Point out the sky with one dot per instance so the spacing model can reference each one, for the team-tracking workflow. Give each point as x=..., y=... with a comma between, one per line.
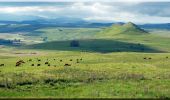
x=92, y=11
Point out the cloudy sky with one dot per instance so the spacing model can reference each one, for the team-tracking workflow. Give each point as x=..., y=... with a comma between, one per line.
x=96, y=11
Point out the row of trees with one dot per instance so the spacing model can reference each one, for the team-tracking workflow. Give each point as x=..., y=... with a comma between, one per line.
x=9, y=42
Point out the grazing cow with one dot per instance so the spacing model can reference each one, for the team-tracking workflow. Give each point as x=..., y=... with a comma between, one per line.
x=19, y=62
x=2, y=65
x=149, y=58
x=32, y=64
x=30, y=60
x=81, y=59
x=67, y=65
x=54, y=59
x=61, y=60
x=39, y=59
x=38, y=64
x=46, y=63
x=71, y=60
x=144, y=58
x=166, y=56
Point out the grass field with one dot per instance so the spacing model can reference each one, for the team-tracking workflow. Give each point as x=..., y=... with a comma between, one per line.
x=97, y=75
x=110, y=66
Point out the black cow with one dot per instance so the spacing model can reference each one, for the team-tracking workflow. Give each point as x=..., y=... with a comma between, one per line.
x=46, y=63
x=38, y=64
x=67, y=65
x=149, y=58
x=77, y=60
x=2, y=65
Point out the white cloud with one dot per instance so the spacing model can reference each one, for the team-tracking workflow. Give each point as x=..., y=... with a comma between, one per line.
x=84, y=0
x=96, y=11
x=28, y=9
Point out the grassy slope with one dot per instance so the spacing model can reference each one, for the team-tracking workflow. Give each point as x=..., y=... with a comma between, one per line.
x=121, y=34
x=126, y=29
x=95, y=45
x=68, y=33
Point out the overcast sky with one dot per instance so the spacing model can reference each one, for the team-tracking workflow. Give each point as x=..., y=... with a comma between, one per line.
x=96, y=11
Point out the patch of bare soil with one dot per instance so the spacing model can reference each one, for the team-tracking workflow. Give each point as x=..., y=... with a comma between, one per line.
x=22, y=54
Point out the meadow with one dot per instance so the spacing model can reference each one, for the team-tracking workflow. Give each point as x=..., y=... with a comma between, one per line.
x=103, y=66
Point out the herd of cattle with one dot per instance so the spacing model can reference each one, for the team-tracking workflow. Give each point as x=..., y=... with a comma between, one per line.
x=151, y=58
x=20, y=62
x=47, y=62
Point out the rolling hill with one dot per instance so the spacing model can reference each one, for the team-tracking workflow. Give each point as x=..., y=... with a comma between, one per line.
x=128, y=28
x=122, y=38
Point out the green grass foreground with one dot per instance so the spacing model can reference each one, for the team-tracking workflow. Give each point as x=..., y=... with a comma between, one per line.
x=97, y=75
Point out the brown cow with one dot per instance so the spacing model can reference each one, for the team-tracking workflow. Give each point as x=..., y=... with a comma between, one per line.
x=19, y=62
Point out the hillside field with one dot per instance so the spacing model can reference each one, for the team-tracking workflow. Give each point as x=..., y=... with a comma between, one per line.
x=105, y=65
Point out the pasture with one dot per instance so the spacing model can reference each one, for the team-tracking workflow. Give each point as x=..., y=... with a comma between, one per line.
x=127, y=75
x=111, y=66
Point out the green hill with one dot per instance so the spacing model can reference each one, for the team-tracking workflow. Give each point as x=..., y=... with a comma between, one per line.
x=128, y=28
x=125, y=38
